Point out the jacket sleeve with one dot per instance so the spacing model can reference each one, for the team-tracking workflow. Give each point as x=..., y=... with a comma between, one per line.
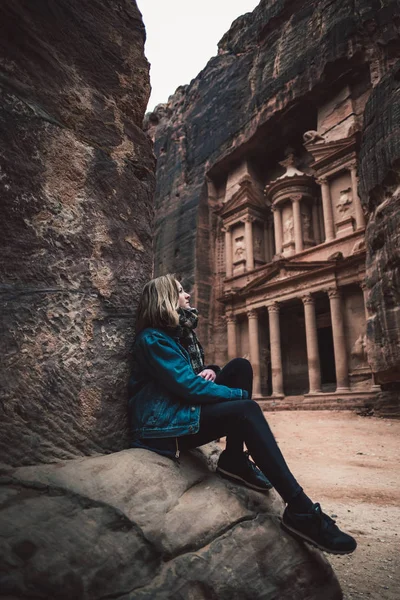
x=170, y=368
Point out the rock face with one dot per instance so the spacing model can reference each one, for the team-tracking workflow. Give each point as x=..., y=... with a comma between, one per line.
x=76, y=178
x=136, y=526
x=286, y=70
x=380, y=190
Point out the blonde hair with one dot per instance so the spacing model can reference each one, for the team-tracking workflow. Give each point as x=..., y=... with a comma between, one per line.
x=158, y=304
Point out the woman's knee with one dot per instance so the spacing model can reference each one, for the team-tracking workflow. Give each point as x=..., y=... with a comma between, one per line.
x=250, y=408
x=241, y=365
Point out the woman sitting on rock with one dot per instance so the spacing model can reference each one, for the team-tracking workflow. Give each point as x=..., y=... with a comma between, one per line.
x=178, y=403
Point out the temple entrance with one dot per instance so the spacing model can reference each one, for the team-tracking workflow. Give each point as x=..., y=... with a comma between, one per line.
x=327, y=359
x=294, y=349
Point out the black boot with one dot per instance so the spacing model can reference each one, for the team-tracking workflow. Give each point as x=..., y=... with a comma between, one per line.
x=319, y=530
x=240, y=468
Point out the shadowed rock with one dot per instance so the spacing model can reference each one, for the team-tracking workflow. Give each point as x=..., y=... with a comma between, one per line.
x=76, y=181
x=380, y=191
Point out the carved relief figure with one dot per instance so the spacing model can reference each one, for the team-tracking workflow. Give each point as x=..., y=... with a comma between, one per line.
x=312, y=136
x=306, y=225
x=359, y=350
x=257, y=246
x=240, y=249
x=345, y=199
x=288, y=230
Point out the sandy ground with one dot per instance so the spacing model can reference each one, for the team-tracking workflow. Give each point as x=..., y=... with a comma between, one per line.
x=350, y=464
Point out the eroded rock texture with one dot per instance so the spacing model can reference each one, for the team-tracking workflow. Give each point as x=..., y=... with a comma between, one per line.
x=380, y=189
x=275, y=68
x=76, y=180
x=136, y=526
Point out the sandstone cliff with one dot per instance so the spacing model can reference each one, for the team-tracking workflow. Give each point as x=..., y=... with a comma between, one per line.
x=274, y=66
x=380, y=189
x=76, y=179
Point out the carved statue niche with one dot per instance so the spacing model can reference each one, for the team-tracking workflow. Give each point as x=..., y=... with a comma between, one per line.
x=257, y=246
x=240, y=249
x=306, y=222
x=345, y=200
x=359, y=351
x=288, y=230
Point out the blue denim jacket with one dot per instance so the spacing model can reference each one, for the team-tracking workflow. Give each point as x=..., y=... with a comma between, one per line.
x=166, y=394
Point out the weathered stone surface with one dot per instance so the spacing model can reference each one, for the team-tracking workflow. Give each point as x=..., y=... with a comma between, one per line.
x=76, y=177
x=380, y=191
x=135, y=525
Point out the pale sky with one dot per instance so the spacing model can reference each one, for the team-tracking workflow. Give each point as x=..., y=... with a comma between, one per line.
x=182, y=35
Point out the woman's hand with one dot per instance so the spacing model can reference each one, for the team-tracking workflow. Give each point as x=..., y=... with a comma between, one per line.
x=208, y=374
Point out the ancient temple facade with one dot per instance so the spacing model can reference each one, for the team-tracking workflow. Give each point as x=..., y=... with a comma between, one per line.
x=290, y=265
x=261, y=164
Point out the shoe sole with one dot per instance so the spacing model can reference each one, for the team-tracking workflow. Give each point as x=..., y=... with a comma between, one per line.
x=233, y=477
x=303, y=538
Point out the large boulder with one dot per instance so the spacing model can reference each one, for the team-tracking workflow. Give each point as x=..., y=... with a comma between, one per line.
x=137, y=526
x=76, y=181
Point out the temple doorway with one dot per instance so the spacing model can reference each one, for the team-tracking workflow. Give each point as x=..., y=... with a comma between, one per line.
x=294, y=349
x=327, y=359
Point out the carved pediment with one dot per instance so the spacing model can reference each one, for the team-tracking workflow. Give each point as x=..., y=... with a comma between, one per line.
x=247, y=196
x=284, y=270
x=326, y=152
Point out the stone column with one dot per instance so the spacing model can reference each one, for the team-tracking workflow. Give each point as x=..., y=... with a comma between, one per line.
x=298, y=230
x=327, y=209
x=363, y=286
x=339, y=341
x=228, y=252
x=314, y=367
x=315, y=223
x=248, y=236
x=232, y=340
x=276, y=354
x=254, y=348
x=360, y=218
x=271, y=238
x=277, y=229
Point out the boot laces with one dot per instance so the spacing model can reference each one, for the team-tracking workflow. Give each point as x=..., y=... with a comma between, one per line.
x=325, y=522
x=251, y=464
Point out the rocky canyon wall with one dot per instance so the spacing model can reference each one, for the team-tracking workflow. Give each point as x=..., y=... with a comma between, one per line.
x=76, y=181
x=380, y=190
x=275, y=68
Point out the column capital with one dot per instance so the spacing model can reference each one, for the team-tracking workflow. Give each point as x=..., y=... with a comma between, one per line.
x=226, y=228
x=334, y=292
x=249, y=219
x=230, y=317
x=308, y=299
x=275, y=207
x=353, y=165
x=321, y=180
x=252, y=313
x=296, y=197
x=274, y=307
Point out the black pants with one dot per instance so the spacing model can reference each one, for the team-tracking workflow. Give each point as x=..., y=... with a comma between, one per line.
x=242, y=421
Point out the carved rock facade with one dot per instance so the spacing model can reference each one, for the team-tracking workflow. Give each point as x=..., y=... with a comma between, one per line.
x=76, y=180
x=258, y=204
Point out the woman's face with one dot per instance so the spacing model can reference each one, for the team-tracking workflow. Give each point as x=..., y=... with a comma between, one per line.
x=184, y=298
